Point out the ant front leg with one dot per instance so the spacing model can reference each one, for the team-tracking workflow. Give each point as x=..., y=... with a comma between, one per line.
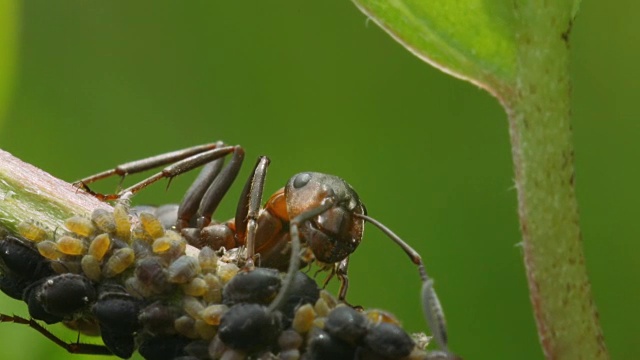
x=73, y=348
x=248, y=209
x=341, y=272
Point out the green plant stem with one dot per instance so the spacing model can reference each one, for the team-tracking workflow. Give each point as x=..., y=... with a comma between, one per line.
x=28, y=193
x=539, y=117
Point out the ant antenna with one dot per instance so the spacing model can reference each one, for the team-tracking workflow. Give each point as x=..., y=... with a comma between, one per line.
x=430, y=304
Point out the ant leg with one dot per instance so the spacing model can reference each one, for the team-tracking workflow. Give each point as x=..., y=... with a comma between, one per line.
x=430, y=302
x=340, y=270
x=221, y=184
x=73, y=348
x=191, y=201
x=170, y=171
x=294, y=261
x=137, y=166
x=248, y=209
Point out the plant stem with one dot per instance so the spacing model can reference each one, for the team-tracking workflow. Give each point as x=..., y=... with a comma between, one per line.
x=28, y=193
x=540, y=129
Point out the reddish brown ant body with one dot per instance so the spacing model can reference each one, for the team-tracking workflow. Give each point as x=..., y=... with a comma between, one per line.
x=321, y=212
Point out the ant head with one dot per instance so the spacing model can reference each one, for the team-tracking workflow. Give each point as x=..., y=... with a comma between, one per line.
x=333, y=233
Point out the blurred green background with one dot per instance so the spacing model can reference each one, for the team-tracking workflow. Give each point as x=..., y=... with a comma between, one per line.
x=87, y=85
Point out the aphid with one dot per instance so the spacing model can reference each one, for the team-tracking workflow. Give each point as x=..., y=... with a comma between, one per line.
x=321, y=345
x=66, y=294
x=257, y=286
x=71, y=246
x=31, y=296
x=213, y=313
x=104, y=220
x=49, y=249
x=20, y=267
x=196, y=287
x=303, y=318
x=250, y=327
x=151, y=273
x=183, y=270
x=346, y=324
x=208, y=259
x=322, y=212
x=290, y=342
x=80, y=226
x=388, y=340
x=158, y=318
x=99, y=246
x=117, y=314
x=32, y=231
x=91, y=267
x=164, y=347
x=119, y=261
x=22, y=260
x=151, y=225
x=121, y=218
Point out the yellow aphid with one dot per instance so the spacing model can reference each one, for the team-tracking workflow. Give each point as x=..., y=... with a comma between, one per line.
x=99, y=246
x=192, y=306
x=138, y=233
x=183, y=269
x=177, y=246
x=321, y=308
x=205, y=331
x=212, y=314
x=104, y=220
x=319, y=322
x=185, y=325
x=123, y=225
x=48, y=249
x=118, y=262
x=91, y=267
x=214, y=289
x=377, y=316
x=331, y=301
x=151, y=225
x=226, y=271
x=303, y=319
x=80, y=226
x=196, y=287
x=71, y=246
x=32, y=231
x=162, y=244
x=208, y=259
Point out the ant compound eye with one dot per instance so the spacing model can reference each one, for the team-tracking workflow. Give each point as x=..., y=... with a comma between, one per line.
x=301, y=180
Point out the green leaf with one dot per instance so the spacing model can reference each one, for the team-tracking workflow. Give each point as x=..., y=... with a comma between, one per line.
x=8, y=44
x=472, y=39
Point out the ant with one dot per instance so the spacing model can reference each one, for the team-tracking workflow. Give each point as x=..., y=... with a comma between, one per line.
x=321, y=211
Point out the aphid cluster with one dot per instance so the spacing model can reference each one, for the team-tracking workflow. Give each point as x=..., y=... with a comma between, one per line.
x=133, y=282
x=172, y=282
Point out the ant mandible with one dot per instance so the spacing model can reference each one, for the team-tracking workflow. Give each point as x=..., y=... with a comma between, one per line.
x=321, y=211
